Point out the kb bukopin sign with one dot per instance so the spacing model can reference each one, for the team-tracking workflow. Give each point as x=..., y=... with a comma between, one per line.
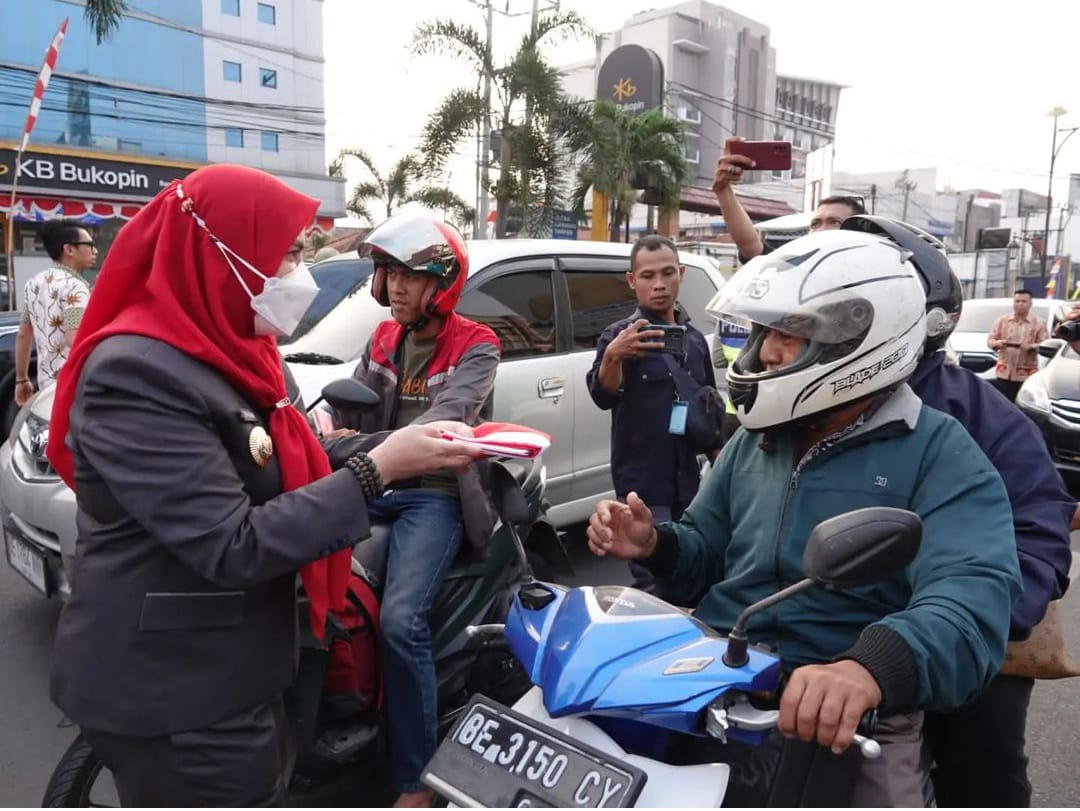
x=633, y=78
x=68, y=173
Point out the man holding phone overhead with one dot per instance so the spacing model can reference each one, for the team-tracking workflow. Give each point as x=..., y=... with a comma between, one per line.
x=741, y=155
x=634, y=376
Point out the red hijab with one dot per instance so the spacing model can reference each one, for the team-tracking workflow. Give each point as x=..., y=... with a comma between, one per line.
x=165, y=279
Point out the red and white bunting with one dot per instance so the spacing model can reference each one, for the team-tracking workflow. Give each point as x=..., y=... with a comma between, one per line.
x=47, y=67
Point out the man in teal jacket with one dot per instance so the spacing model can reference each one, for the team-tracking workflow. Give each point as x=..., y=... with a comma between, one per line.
x=837, y=322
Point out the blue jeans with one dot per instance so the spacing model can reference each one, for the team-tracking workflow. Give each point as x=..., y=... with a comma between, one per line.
x=425, y=536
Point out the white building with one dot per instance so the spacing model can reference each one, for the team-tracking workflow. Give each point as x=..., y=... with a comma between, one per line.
x=263, y=68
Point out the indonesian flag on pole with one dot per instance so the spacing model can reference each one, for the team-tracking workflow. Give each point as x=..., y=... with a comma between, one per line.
x=47, y=67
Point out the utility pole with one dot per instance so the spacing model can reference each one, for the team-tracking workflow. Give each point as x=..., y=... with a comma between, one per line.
x=525, y=190
x=907, y=186
x=873, y=198
x=480, y=226
x=1056, y=113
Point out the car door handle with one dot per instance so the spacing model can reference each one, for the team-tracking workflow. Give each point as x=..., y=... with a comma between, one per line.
x=550, y=388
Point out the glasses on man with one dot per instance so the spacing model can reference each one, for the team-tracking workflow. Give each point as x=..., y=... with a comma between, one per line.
x=87, y=242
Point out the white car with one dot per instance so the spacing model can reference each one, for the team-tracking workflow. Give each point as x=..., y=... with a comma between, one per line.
x=968, y=341
x=547, y=300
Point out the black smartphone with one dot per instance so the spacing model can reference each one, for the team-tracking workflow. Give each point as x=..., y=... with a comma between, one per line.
x=674, y=338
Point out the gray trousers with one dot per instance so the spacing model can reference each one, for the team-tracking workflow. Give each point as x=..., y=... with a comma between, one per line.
x=894, y=780
x=236, y=762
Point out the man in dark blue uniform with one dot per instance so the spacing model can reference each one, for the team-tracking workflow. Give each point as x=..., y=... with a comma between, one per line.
x=650, y=454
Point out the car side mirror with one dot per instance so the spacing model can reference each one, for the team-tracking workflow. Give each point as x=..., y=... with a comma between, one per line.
x=1050, y=347
x=349, y=394
x=861, y=546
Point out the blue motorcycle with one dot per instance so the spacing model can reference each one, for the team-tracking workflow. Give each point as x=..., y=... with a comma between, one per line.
x=618, y=673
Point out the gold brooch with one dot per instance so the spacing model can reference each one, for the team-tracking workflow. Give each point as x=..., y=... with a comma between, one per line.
x=260, y=445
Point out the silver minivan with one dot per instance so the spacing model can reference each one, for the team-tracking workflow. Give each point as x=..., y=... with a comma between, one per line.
x=547, y=300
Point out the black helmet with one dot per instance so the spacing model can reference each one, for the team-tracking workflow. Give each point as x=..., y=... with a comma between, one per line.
x=944, y=295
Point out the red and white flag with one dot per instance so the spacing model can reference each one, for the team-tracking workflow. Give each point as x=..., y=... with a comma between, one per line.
x=47, y=67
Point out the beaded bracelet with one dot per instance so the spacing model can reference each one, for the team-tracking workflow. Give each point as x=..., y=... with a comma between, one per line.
x=363, y=468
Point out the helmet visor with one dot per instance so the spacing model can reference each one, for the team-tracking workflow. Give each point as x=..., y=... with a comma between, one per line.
x=755, y=295
x=417, y=243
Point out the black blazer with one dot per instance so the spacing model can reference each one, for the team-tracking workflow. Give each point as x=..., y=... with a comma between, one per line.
x=183, y=610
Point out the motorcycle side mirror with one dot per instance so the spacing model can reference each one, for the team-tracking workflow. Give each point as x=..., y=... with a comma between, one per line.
x=851, y=549
x=349, y=394
x=861, y=546
x=1050, y=347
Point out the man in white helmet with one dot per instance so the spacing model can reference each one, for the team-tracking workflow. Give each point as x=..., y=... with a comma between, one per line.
x=837, y=322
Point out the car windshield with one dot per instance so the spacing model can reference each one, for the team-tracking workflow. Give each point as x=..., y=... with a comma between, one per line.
x=337, y=280
x=979, y=316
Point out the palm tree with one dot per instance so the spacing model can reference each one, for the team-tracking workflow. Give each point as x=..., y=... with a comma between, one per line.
x=398, y=187
x=104, y=16
x=622, y=153
x=527, y=103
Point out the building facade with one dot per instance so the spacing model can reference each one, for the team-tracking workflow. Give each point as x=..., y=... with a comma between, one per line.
x=719, y=75
x=805, y=117
x=181, y=83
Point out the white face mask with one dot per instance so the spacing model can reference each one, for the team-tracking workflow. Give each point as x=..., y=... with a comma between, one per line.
x=283, y=300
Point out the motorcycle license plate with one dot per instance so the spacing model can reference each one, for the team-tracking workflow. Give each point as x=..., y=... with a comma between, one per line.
x=498, y=758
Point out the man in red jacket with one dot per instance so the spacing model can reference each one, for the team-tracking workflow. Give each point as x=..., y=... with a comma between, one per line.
x=426, y=363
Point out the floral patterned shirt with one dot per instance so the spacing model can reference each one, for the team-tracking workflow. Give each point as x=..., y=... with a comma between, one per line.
x=53, y=304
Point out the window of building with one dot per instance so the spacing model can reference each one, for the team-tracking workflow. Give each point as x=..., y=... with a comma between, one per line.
x=269, y=142
x=267, y=77
x=231, y=71
x=597, y=299
x=230, y=7
x=520, y=308
x=267, y=14
x=124, y=145
x=234, y=136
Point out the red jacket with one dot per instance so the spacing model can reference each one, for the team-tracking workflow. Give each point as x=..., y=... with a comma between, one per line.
x=461, y=378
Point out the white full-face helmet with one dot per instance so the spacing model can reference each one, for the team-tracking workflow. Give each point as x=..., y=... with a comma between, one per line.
x=856, y=300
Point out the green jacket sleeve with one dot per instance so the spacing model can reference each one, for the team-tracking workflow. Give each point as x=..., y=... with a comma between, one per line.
x=965, y=577
x=702, y=534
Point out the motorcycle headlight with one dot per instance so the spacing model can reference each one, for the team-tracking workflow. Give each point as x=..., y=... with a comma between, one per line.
x=1033, y=395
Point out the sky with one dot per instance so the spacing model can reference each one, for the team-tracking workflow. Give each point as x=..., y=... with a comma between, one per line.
x=958, y=85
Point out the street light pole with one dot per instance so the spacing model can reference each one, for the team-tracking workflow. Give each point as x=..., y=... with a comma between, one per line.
x=1054, y=149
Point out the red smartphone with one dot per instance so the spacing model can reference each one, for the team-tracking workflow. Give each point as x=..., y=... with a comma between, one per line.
x=767, y=155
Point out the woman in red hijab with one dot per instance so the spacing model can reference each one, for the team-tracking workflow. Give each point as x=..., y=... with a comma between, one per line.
x=201, y=491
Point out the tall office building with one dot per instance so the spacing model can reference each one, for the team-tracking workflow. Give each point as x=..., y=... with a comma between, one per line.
x=180, y=84
x=719, y=75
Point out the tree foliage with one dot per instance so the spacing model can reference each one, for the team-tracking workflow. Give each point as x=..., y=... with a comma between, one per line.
x=621, y=153
x=404, y=183
x=104, y=16
x=525, y=113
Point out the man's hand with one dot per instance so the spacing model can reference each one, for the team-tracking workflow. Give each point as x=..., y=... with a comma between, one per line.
x=730, y=167
x=622, y=530
x=825, y=703
x=23, y=392
x=633, y=342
